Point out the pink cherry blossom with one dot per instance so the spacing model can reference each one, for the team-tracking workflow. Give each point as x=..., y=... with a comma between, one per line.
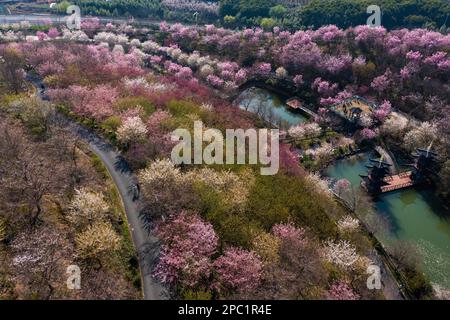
x=298, y=80
x=368, y=134
x=381, y=83
x=238, y=270
x=215, y=81
x=53, y=33
x=342, y=291
x=188, y=244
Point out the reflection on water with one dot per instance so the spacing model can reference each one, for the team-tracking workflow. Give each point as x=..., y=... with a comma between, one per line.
x=415, y=215
x=350, y=168
x=407, y=197
x=269, y=107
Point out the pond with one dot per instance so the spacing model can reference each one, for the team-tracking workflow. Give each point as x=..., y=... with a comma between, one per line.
x=415, y=216
x=270, y=107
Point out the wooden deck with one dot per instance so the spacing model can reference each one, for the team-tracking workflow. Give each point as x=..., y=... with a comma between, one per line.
x=397, y=182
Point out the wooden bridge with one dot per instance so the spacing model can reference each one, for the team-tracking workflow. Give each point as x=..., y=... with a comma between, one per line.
x=387, y=157
x=378, y=180
x=296, y=104
x=397, y=182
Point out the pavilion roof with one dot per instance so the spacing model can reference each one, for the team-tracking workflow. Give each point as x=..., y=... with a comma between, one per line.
x=351, y=106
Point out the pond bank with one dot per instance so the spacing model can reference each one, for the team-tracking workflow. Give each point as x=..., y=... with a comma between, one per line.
x=415, y=215
x=269, y=107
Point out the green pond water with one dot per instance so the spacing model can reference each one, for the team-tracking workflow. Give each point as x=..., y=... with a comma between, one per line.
x=269, y=107
x=414, y=215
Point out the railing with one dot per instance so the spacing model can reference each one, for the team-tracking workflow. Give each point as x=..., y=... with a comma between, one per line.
x=405, y=174
x=396, y=187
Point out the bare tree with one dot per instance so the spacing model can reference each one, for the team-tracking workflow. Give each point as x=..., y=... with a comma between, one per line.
x=103, y=284
x=38, y=260
x=297, y=274
x=11, y=69
x=29, y=172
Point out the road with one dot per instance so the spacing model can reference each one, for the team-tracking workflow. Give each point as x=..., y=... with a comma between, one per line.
x=41, y=19
x=147, y=246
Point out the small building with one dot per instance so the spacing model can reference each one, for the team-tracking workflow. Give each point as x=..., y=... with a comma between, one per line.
x=352, y=109
x=294, y=103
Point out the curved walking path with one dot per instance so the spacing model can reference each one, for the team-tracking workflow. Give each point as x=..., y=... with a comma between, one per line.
x=147, y=246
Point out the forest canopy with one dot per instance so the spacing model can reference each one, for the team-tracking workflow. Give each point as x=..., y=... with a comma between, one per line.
x=268, y=13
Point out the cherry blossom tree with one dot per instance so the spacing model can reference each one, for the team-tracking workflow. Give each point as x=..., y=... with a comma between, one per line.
x=348, y=224
x=184, y=73
x=97, y=241
x=87, y=207
x=90, y=24
x=421, y=136
x=53, y=33
x=328, y=33
x=289, y=161
x=132, y=130
x=341, y=186
x=368, y=134
x=383, y=111
x=370, y=35
x=381, y=83
x=298, y=80
x=318, y=184
x=96, y=103
x=394, y=125
x=341, y=253
x=289, y=233
x=323, y=87
x=300, y=52
x=281, y=72
x=41, y=35
x=215, y=81
x=436, y=58
x=241, y=76
x=238, y=270
x=295, y=271
x=38, y=260
x=304, y=131
x=188, y=245
x=335, y=65
x=163, y=189
x=159, y=172
x=342, y=291
x=263, y=69
x=206, y=71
